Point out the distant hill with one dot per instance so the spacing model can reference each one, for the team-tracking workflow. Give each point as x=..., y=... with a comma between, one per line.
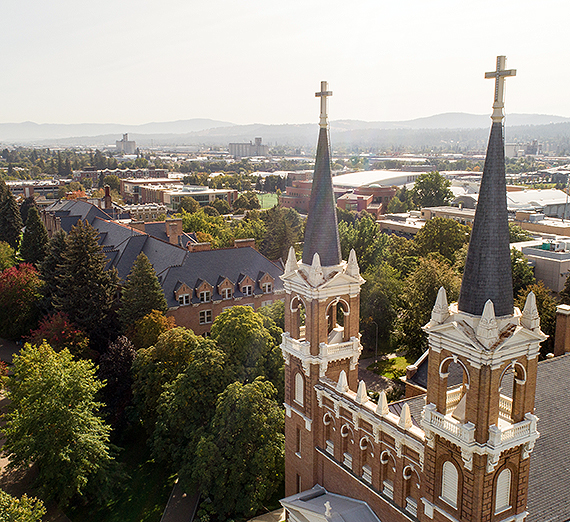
x=30, y=131
x=468, y=131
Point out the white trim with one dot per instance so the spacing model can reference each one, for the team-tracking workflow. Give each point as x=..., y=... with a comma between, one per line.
x=289, y=409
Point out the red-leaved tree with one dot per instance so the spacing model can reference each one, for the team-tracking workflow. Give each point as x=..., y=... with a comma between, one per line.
x=60, y=333
x=19, y=298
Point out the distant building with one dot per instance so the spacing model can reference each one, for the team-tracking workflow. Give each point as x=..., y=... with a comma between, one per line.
x=125, y=146
x=247, y=150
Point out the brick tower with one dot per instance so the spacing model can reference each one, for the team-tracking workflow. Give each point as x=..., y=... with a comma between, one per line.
x=321, y=336
x=479, y=435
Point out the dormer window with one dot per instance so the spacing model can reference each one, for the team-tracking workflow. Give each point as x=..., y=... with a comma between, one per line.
x=247, y=290
x=184, y=299
x=267, y=288
x=227, y=293
x=205, y=296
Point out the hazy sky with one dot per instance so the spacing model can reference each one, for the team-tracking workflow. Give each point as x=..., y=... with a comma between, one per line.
x=261, y=61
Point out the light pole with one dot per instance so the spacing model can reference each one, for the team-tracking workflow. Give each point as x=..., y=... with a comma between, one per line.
x=376, y=351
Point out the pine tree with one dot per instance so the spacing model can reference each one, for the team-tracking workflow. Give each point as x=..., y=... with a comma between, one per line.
x=10, y=220
x=25, y=207
x=50, y=269
x=142, y=293
x=85, y=290
x=35, y=239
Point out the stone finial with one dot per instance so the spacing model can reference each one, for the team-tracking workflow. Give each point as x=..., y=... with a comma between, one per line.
x=342, y=385
x=487, y=330
x=316, y=276
x=530, y=318
x=405, y=417
x=352, y=268
x=382, y=408
x=328, y=509
x=291, y=264
x=361, y=395
x=440, y=310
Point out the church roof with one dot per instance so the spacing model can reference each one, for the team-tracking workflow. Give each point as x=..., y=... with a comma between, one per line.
x=321, y=233
x=487, y=273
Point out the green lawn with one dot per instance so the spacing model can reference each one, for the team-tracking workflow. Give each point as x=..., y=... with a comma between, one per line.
x=392, y=368
x=267, y=200
x=146, y=493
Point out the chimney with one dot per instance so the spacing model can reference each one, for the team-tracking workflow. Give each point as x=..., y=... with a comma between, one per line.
x=243, y=243
x=138, y=225
x=199, y=247
x=562, y=334
x=107, y=201
x=173, y=229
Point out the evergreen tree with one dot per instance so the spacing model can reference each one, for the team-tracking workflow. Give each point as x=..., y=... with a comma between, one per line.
x=50, y=269
x=142, y=293
x=10, y=220
x=35, y=240
x=25, y=207
x=85, y=290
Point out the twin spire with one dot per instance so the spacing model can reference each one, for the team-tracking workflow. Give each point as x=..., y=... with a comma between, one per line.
x=487, y=273
x=321, y=233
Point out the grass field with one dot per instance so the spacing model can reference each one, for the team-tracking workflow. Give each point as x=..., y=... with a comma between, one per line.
x=146, y=491
x=393, y=368
x=267, y=200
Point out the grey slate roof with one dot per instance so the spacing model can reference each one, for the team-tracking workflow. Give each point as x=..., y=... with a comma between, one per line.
x=173, y=264
x=210, y=265
x=548, y=498
x=321, y=233
x=487, y=273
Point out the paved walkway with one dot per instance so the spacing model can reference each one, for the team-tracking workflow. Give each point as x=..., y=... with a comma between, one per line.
x=274, y=516
x=181, y=507
x=7, y=349
x=373, y=381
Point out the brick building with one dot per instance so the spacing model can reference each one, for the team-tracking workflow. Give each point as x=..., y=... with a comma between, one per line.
x=460, y=451
x=198, y=282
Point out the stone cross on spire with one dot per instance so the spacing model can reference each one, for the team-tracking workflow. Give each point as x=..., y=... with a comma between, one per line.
x=323, y=96
x=500, y=74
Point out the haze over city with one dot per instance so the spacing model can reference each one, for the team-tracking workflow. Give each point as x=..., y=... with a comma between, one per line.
x=260, y=61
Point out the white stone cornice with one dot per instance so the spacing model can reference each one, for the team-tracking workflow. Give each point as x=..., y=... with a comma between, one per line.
x=291, y=409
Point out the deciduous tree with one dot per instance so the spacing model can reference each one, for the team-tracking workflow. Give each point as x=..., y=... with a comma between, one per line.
x=53, y=421
x=418, y=300
x=442, y=235
x=146, y=331
x=60, y=333
x=431, y=190
x=23, y=509
x=19, y=300
x=240, y=463
x=7, y=256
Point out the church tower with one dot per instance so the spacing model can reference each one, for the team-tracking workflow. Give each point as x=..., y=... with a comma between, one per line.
x=479, y=434
x=322, y=303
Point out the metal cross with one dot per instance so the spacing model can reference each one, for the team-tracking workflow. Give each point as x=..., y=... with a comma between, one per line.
x=323, y=96
x=500, y=74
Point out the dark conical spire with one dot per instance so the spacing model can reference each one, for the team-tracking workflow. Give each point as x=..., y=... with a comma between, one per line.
x=321, y=233
x=487, y=273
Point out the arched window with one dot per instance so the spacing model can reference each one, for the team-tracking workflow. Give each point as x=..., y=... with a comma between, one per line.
x=449, y=484
x=503, y=493
x=299, y=389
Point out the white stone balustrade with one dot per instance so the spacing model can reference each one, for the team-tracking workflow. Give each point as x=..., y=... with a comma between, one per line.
x=453, y=398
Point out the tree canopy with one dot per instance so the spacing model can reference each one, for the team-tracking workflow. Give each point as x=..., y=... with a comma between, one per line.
x=20, y=288
x=53, y=421
x=23, y=509
x=442, y=235
x=240, y=463
x=10, y=219
x=431, y=190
